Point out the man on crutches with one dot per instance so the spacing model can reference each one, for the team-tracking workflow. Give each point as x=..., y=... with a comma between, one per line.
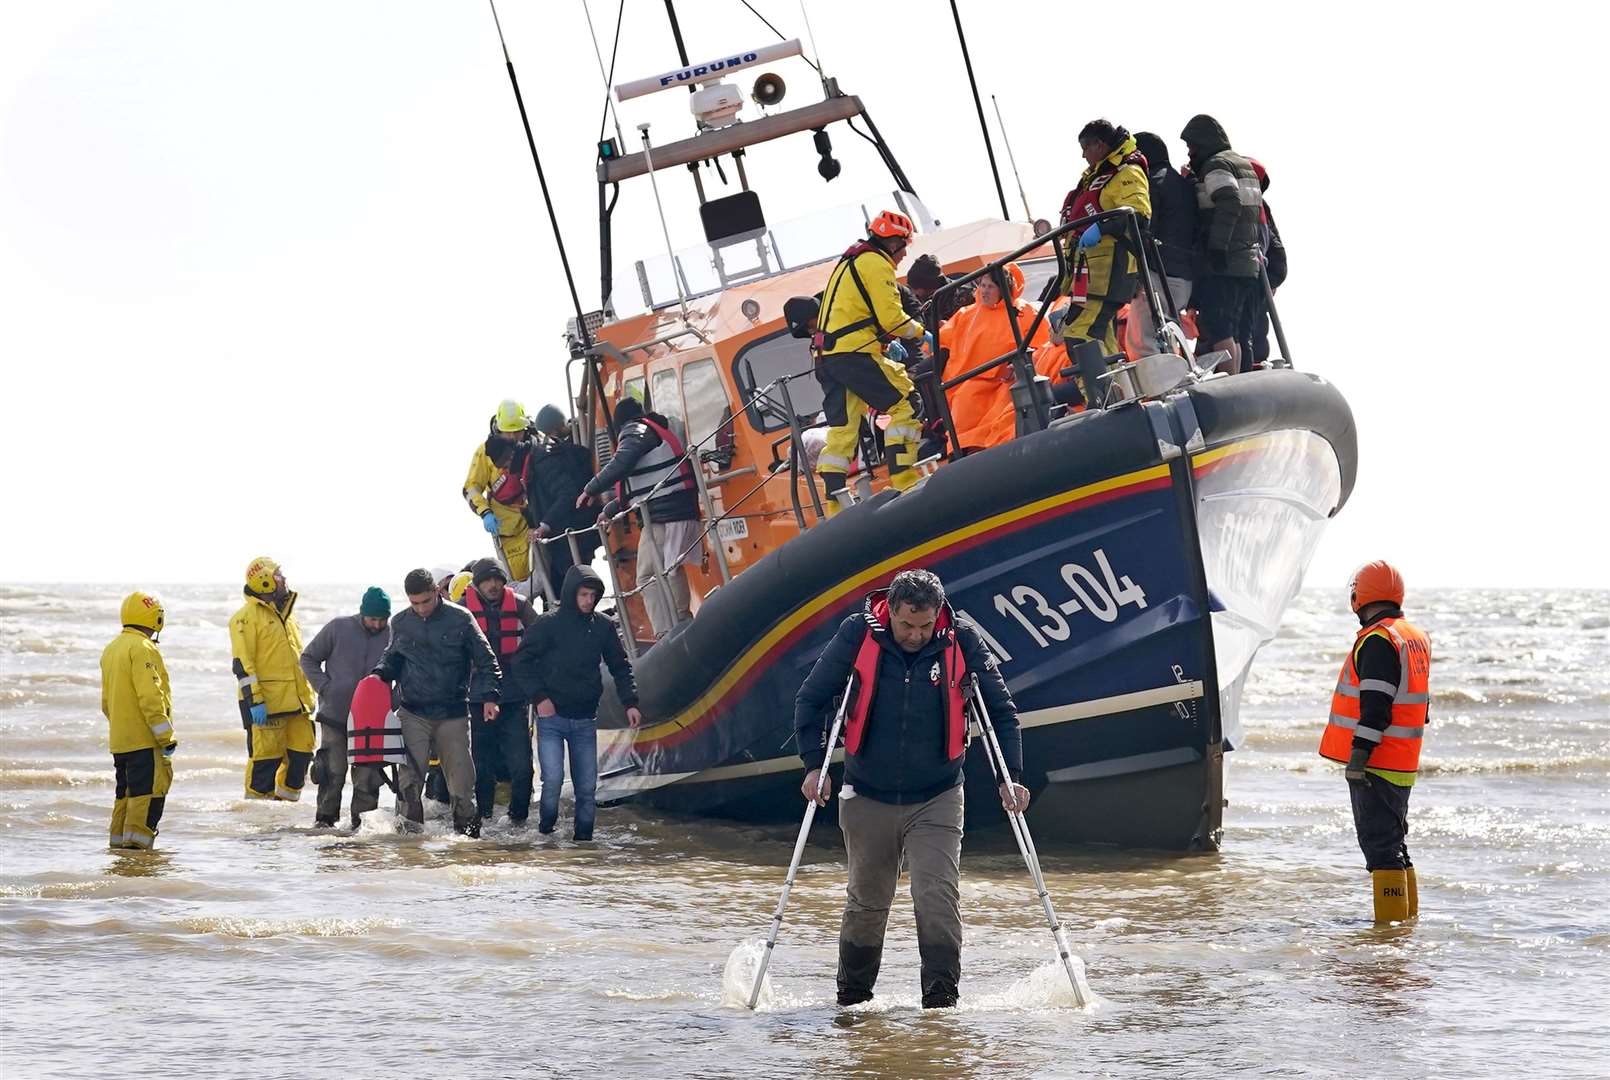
x=905, y=744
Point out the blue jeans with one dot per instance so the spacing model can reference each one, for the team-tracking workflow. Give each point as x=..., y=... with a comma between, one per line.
x=581, y=732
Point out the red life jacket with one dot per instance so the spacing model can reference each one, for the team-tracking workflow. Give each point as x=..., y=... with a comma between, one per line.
x=374, y=734
x=508, y=486
x=954, y=665
x=655, y=466
x=1085, y=200
x=506, y=635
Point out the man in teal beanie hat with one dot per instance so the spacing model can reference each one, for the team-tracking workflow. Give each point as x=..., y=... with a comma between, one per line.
x=346, y=650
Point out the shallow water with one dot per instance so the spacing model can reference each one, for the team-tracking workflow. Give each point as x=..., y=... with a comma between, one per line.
x=250, y=943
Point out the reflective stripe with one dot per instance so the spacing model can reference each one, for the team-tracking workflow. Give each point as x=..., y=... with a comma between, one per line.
x=1412, y=699
x=289, y=794
x=249, y=680
x=901, y=431
x=1367, y=734
x=132, y=837
x=1347, y=690
x=163, y=728
x=1380, y=686
x=825, y=462
x=1396, y=731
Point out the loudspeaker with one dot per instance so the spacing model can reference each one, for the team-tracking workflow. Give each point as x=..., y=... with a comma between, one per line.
x=768, y=90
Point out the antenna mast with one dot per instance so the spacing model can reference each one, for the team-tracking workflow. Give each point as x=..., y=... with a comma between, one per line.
x=979, y=105
x=1011, y=157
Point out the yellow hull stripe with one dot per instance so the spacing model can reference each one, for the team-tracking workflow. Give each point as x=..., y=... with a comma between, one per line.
x=813, y=607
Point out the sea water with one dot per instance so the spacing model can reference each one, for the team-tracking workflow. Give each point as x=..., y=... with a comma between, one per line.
x=249, y=943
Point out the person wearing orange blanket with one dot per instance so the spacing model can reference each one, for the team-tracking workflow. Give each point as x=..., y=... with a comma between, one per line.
x=982, y=406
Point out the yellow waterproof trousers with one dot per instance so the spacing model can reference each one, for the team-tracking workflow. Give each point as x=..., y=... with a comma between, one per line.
x=512, y=539
x=143, y=780
x=280, y=752
x=1094, y=322
x=852, y=383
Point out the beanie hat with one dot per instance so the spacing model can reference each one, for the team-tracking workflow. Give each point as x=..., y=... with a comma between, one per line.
x=376, y=604
x=925, y=273
x=485, y=569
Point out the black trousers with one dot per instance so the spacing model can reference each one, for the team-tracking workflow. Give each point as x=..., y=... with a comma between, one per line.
x=1381, y=818
x=504, y=742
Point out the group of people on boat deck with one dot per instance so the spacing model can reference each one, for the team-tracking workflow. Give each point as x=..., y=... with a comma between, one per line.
x=876, y=341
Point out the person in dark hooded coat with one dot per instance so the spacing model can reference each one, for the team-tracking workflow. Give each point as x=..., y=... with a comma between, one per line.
x=557, y=670
x=1230, y=227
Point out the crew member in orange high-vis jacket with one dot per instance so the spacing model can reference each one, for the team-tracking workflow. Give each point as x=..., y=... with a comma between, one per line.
x=138, y=706
x=1377, y=725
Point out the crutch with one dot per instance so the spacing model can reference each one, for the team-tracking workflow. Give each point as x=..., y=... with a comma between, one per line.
x=799, y=845
x=1025, y=842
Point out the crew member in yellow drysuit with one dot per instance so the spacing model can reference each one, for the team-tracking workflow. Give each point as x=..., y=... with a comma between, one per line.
x=139, y=710
x=276, y=700
x=495, y=486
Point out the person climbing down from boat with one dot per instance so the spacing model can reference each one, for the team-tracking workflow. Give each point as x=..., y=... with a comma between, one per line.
x=1378, y=717
x=1115, y=176
x=1174, y=226
x=982, y=407
x=558, y=471
x=556, y=668
x=905, y=744
x=503, y=743
x=442, y=669
x=138, y=705
x=1230, y=202
x=650, y=458
x=276, y=700
x=494, y=488
x=861, y=315
x=341, y=654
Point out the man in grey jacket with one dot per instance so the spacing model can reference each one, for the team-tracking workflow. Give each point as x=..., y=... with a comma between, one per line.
x=438, y=660
x=347, y=649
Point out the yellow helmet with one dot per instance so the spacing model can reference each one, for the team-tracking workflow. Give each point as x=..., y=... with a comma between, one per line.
x=143, y=610
x=260, y=575
x=458, y=586
x=511, y=417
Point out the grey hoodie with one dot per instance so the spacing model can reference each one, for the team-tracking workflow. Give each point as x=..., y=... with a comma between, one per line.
x=341, y=654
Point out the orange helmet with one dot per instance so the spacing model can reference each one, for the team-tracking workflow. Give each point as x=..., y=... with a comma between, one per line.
x=1374, y=582
x=890, y=224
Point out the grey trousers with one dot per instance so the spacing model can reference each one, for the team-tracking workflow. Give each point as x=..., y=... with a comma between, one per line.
x=448, y=740
x=929, y=837
x=330, y=766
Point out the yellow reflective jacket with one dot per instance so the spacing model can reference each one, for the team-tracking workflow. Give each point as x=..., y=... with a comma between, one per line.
x=1121, y=183
x=843, y=306
x=135, y=697
x=483, y=480
x=267, y=644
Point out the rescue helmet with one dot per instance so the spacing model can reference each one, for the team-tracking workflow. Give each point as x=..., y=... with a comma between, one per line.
x=1375, y=582
x=890, y=225
x=260, y=575
x=550, y=420
x=510, y=417
x=143, y=610
x=458, y=586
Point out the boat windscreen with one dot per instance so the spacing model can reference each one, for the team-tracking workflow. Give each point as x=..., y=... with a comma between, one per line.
x=764, y=361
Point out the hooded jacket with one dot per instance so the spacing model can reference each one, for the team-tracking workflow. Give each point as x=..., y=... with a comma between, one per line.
x=977, y=335
x=1229, y=199
x=903, y=757
x=439, y=663
x=559, y=657
x=556, y=474
x=1173, y=211
x=337, y=658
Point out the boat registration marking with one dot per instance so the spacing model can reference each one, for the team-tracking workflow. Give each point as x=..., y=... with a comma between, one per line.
x=732, y=529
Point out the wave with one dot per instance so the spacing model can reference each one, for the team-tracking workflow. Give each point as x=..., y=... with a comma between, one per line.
x=324, y=926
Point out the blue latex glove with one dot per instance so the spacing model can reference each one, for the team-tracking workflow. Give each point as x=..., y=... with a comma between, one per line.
x=259, y=715
x=490, y=521
x=1090, y=237
x=896, y=352
x=167, y=751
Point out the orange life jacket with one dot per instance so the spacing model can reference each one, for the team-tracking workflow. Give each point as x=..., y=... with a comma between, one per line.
x=1398, y=748
x=866, y=680
x=509, y=627
x=374, y=734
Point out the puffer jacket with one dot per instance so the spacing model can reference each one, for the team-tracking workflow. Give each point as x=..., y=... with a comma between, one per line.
x=439, y=663
x=559, y=656
x=1229, y=199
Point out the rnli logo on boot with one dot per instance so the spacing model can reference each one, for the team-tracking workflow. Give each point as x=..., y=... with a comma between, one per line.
x=933, y=673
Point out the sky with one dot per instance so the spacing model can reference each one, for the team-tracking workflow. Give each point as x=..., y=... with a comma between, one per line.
x=266, y=269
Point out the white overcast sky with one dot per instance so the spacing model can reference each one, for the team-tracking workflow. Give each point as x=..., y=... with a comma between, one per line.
x=265, y=269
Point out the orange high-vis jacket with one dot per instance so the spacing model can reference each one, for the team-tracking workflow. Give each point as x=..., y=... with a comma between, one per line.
x=1397, y=748
x=975, y=335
